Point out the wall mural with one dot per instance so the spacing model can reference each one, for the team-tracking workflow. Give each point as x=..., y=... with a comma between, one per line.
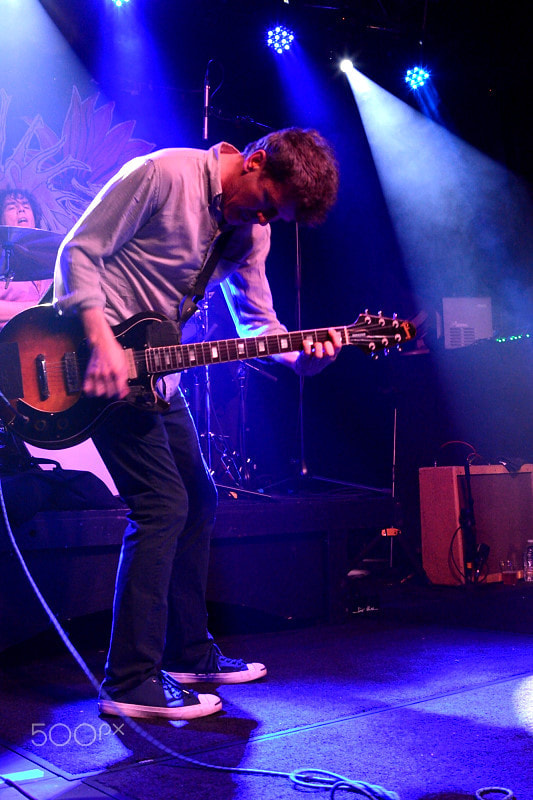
x=64, y=170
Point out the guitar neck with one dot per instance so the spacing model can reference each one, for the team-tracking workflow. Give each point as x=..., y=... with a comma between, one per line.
x=160, y=360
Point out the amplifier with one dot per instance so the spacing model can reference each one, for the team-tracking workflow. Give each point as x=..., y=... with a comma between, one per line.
x=503, y=513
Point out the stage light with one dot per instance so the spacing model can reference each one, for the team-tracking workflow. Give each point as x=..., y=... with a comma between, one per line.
x=416, y=77
x=346, y=66
x=119, y=3
x=280, y=39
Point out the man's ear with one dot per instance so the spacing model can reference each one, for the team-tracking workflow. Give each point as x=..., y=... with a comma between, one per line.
x=255, y=160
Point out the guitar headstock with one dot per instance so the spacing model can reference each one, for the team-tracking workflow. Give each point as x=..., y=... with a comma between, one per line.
x=374, y=332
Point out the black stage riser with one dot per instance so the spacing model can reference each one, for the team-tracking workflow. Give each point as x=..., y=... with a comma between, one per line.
x=287, y=557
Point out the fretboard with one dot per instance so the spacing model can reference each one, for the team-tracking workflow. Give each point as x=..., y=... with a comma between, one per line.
x=184, y=356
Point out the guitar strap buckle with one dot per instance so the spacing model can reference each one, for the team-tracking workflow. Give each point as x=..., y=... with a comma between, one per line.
x=188, y=307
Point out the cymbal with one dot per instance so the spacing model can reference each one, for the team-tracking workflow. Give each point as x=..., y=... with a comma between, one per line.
x=28, y=254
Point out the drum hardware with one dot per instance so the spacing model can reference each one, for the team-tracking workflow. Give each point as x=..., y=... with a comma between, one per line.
x=227, y=461
x=28, y=254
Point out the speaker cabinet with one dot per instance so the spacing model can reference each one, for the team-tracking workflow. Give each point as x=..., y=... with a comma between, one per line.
x=503, y=514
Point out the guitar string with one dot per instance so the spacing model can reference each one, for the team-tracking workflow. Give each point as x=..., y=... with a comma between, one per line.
x=205, y=349
x=161, y=360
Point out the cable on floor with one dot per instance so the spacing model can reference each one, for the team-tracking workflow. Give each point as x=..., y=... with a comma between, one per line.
x=322, y=779
x=316, y=779
x=490, y=793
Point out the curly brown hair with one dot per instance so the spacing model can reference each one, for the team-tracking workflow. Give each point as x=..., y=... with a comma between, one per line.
x=12, y=193
x=304, y=162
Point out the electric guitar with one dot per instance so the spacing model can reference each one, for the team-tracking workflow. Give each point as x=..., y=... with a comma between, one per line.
x=43, y=357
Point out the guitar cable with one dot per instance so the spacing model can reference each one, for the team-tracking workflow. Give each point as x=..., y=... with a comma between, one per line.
x=308, y=778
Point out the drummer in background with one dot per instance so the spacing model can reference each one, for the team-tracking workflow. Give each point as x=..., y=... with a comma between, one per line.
x=19, y=209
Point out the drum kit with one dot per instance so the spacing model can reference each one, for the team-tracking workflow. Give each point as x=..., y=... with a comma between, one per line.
x=27, y=254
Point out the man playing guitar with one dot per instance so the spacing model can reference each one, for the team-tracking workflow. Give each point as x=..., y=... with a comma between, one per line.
x=140, y=247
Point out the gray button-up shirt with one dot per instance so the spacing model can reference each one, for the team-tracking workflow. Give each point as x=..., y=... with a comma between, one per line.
x=145, y=237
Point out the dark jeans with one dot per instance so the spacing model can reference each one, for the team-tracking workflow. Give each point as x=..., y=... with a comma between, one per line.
x=159, y=610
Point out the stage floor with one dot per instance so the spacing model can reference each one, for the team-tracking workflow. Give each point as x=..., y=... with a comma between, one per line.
x=431, y=711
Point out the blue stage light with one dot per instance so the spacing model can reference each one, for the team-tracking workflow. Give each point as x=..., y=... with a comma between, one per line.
x=119, y=3
x=416, y=77
x=346, y=66
x=280, y=39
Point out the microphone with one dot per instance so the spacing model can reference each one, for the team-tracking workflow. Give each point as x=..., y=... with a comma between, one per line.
x=206, y=103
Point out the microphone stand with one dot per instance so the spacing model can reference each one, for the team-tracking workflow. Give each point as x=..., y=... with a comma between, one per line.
x=207, y=89
x=208, y=110
x=207, y=411
x=468, y=526
x=7, y=273
x=298, y=275
x=305, y=478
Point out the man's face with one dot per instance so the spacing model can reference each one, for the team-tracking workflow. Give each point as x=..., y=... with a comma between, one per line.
x=253, y=198
x=17, y=212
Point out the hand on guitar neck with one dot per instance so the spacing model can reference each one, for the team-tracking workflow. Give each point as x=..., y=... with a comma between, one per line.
x=107, y=373
x=315, y=356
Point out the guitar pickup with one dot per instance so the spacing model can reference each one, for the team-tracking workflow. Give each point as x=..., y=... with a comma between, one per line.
x=42, y=377
x=71, y=373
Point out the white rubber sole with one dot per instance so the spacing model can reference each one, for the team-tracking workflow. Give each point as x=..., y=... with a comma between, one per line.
x=253, y=673
x=209, y=704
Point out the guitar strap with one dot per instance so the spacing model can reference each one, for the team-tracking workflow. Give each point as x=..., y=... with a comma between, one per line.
x=189, y=304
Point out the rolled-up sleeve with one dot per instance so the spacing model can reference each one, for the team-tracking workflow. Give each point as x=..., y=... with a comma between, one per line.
x=247, y=291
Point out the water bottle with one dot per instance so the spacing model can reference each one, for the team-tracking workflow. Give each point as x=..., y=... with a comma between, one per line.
x=528, y=561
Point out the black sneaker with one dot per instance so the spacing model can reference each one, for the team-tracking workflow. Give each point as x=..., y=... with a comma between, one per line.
x=161, y=697
x=221, y=669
